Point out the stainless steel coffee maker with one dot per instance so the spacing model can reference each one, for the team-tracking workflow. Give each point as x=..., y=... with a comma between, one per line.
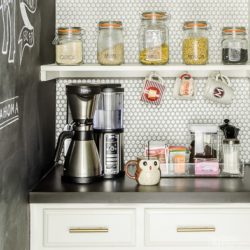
x=82, y=162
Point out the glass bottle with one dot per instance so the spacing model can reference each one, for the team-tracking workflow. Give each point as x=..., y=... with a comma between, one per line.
x=195, y=43
x=234, y=45
x=154, y=45
x=110, y=45
x=69, y=46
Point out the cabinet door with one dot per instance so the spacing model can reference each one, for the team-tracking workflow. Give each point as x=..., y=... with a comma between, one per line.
x=88, y=227
x=197, y=227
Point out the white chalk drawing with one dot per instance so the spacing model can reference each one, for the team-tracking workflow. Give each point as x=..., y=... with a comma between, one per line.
x=27, y=34
x=8, y=8
x=9, y=112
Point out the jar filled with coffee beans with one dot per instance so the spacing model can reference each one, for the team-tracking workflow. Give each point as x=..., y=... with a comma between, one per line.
x=234, y=45
x=154, y=46
x=110, y=45
x=195, y=43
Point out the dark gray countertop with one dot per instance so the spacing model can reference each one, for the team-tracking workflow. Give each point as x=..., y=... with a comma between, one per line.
x=52, y=189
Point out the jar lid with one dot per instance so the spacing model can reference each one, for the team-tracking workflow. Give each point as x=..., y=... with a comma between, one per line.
x=69, y=30
x=154, y=15
x=110, y=24
x=234, y=29
x=195, y=25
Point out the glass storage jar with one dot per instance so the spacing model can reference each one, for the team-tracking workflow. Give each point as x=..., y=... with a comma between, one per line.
x=110, y=45
x=234, y=45
x=154, y=45
x=69, y=46
x=195, y=43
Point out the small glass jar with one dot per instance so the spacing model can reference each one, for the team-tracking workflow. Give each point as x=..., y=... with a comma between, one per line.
x=110, y=45
x=234, y=45
x=154, y=45
x=231, y=156
x=195, y=43
x=69, y=46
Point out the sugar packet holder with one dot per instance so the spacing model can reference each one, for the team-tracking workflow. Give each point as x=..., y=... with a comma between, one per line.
x=185, y=87
x=153, y=89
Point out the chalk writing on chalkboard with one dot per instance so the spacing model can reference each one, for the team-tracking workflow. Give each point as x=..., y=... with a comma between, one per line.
x=9, y=112
x=27, y=34
x=8, y=8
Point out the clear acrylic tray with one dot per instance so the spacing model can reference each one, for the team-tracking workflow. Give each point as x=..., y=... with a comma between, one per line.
x=172, y=171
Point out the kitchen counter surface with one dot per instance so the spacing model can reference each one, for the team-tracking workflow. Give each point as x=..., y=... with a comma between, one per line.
x=51, y=189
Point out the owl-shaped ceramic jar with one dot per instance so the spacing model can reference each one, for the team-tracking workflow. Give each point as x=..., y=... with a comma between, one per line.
x=147, y=171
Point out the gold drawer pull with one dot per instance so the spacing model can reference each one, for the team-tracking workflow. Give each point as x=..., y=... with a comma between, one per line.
x=89, y=230
x=196, y=229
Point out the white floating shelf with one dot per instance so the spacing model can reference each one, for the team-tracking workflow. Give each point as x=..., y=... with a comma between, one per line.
x=53, y=71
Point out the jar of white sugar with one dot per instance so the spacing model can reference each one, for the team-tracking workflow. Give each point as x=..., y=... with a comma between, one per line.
x=69, y=46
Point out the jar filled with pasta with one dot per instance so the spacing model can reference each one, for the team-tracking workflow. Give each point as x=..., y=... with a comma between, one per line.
x=195, y=43
x=69, y=46
x=154, y=46
x=110, y=45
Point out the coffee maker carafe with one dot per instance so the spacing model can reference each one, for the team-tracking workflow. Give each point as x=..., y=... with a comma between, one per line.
x=82, y=162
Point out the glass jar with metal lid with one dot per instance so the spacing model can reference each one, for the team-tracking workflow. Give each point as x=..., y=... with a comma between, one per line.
x=69, y=46
x=154, y=45
x=234, y=45
x=110, y=45
x=195, y=43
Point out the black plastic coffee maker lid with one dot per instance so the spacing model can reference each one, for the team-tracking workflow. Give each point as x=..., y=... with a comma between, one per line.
x=83, y=89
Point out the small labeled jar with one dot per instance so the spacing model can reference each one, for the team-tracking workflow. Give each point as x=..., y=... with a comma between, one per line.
x=110, y=45
x=234, y=45
x=195, y=43
x=69, y=46
x=154, y=45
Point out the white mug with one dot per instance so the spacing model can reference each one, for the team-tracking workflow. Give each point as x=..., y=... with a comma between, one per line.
x=217, y=89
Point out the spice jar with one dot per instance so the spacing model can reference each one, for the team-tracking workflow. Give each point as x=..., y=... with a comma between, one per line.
x=195, y=43
x=154, y=46
x=110, y=45
x=234, y=45
x=69, y=46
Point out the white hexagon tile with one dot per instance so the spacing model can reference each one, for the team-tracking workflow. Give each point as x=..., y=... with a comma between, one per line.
x=170, y=120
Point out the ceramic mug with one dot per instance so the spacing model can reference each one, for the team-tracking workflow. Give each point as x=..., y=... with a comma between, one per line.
x=147, y=170
x=217, y=89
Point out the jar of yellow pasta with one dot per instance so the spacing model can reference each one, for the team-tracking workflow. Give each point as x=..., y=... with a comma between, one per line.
x=195, y=43
x=154, y=46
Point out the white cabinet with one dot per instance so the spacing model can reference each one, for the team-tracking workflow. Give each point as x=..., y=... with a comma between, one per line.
x=140, y=226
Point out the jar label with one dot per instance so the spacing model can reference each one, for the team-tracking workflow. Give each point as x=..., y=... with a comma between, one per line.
x=234, y=53
x=69, y=53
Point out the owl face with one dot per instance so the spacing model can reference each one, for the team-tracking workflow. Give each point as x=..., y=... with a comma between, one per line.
x=149, y=165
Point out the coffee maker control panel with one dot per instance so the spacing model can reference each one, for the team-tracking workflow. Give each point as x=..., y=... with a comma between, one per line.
x=111, y=155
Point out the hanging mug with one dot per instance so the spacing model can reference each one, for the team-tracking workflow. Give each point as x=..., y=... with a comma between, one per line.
x=217, y=89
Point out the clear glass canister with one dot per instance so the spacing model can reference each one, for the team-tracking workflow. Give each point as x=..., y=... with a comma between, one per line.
x=110, y=45
x=234, y=45
x=154, y=45
x=69, y=46
x=195, y=43
x=231, y=156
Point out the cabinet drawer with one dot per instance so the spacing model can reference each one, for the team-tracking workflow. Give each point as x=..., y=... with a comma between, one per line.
x=197, y=227
x=89, y=227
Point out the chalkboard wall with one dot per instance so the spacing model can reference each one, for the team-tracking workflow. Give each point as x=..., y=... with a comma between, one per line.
x=27, y=111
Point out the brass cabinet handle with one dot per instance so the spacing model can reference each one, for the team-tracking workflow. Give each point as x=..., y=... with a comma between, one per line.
x=196, y=229
x=89, y=230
